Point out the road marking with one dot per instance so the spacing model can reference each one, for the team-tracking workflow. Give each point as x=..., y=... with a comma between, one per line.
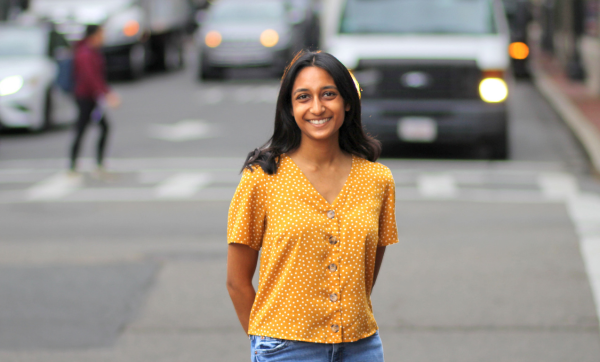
x=185, y=130
x=584, y=210
x=506, y=182
x=55, y=187
x=437, y=185
x=212, y=96
x=240, y=94
x=558, y=186
x=181, y=186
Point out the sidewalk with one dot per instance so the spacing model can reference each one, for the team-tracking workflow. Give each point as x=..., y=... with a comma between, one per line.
x=572, y=101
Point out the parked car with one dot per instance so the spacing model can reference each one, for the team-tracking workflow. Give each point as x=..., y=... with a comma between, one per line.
x=240, y=33
x=29, y=95
x=431, y=71
x=139, y=33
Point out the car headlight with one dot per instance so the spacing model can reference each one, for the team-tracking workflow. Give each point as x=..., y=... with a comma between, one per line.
x=11, y=85
x=269, y=38
x=131, y=28
x=213, y=39
x=493, y=90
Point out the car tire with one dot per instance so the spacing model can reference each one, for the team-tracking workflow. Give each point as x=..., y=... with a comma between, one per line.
x=137, y=61
x=172, y=54
x=47, y=116
x=500, y=148
x=207, y=72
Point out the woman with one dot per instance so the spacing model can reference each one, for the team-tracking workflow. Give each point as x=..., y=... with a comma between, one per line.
x=90, y=91
x=323, y=212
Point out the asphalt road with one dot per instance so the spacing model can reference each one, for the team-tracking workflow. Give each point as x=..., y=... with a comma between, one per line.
x=496, y=260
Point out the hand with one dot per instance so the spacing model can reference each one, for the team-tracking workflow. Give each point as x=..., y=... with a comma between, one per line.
x=113, y=100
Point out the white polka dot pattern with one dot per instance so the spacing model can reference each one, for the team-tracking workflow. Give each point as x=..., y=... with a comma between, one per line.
x=310, y=288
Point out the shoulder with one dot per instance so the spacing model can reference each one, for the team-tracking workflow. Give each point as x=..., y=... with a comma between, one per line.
x=374, y=170
x=254, y=177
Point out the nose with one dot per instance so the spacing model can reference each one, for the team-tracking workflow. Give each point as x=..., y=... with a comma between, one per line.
x=317, y=107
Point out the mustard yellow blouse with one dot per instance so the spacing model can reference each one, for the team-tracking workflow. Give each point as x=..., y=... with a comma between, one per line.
x=317, y=259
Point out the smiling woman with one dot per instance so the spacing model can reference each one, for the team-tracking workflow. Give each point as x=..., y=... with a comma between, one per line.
x=287, y=133
x=312, y=194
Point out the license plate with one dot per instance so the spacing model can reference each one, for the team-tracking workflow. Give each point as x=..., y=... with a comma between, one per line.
x=417, y=129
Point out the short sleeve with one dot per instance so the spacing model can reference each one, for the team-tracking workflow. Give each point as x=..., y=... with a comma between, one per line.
x=388, y=232
x=247, y=212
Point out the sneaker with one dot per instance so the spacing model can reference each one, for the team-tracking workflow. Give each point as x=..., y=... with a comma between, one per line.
x=101, y=174
x=73, y=174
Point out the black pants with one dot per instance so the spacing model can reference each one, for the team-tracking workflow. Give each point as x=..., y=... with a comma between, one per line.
x=86, y=107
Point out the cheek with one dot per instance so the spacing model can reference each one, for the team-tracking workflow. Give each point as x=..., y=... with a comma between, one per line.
x=298, y=112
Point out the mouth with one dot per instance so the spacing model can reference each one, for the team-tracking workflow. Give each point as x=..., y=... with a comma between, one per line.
x=318, y=122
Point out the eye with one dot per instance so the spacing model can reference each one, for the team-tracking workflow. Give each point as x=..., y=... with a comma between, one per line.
x=302, y=96
x=329, y=94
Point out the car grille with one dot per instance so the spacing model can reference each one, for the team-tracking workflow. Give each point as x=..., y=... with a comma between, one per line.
x=419, y=79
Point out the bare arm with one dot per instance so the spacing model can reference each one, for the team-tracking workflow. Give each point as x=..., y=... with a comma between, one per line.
x=378, y=261
x=241, y=265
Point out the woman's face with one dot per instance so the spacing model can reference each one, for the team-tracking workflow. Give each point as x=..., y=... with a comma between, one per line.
x=317, y=105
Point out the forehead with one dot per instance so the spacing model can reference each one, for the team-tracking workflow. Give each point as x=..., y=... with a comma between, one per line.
x=313, y=77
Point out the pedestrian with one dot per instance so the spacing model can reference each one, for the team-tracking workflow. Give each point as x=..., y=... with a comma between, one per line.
x=92, y=95
x=322, y=211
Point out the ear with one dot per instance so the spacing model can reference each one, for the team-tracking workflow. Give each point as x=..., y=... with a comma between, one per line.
x=347, y=107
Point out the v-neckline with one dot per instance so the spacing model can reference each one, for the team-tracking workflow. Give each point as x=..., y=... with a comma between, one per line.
x=317, y=191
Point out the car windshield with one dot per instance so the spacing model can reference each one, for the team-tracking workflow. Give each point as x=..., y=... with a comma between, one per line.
x=22, y=42
x=418, y=17
x=247, y=12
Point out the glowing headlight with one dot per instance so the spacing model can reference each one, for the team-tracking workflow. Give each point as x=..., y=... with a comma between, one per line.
x=269, y=38
x=131, y=28
x=493, y=90
x=213, y=39
x=11, y=85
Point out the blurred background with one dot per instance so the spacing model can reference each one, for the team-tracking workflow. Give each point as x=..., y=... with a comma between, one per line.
x=489, y=114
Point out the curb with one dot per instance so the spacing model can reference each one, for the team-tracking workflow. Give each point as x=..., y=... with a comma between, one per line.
x=584, y=130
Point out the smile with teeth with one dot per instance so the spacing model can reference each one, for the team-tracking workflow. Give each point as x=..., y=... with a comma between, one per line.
x=319, y=121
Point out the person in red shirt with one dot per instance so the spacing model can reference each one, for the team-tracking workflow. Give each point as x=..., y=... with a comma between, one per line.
x=91, y=93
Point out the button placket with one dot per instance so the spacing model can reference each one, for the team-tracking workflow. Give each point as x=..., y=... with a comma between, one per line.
x=335, y=280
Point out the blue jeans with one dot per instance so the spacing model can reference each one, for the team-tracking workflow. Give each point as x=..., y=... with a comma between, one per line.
x=267, y=349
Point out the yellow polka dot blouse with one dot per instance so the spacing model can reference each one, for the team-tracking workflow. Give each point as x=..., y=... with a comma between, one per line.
x=317, y=259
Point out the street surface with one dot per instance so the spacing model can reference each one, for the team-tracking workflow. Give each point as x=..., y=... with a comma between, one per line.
x=491, y=265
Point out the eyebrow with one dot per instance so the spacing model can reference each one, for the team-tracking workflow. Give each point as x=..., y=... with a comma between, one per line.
x=306, y=89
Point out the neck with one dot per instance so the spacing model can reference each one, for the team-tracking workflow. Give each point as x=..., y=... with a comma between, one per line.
x=319, y=153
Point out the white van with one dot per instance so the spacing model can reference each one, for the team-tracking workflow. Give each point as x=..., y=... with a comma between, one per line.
x=431, y=71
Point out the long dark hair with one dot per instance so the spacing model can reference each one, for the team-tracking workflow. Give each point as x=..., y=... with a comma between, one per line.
x=287, y=135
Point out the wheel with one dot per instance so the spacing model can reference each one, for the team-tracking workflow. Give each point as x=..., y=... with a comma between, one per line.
x=210, y=73
x=499, y=148
x=137, y=61
x=47, y=116
x=172, y=54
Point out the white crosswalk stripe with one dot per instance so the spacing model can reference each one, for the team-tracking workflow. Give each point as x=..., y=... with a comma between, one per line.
x=215, y=179
x=54, y=187
x=239, y=94
x=182, y=185
x=437, y=185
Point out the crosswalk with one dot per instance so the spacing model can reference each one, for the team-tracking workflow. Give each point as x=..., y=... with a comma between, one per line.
x=240, y=94
x=215, y=179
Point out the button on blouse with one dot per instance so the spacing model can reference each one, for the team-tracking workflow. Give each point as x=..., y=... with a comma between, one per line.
x=317, y=259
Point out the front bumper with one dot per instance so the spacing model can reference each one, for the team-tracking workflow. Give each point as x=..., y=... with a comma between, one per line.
x=117, y=57
x=244, y=55
x=457, y=121
x=19, y=110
